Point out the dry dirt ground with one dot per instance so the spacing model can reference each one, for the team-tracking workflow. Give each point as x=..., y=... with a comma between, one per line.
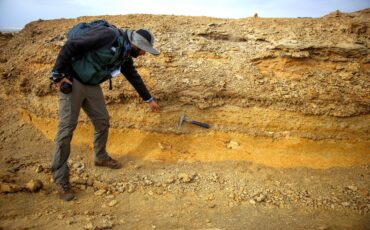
x=287, y=100
x=177, y=188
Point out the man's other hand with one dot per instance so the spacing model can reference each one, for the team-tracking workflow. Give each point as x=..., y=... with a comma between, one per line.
x=58, y=84
x=154, y=106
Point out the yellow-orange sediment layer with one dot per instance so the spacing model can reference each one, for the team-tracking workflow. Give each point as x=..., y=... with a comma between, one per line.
x=212, y=146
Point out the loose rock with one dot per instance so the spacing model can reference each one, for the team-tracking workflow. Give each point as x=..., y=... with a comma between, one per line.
x=170, y=180
x=233, y=145
x=185, y=178
x=100, y=192
x=345, y=204
x=352, y=187
x=113, y=203
x=260, y=198
x=39, y=169
x=34, y=185
x=89, y=226
x=9, y=188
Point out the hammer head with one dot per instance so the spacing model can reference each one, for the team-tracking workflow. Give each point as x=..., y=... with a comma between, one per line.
x=182, y=119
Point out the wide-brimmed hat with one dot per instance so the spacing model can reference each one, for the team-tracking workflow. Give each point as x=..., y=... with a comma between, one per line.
x=143, y=39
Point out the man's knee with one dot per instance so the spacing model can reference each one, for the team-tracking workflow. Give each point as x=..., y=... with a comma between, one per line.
x=101, y=125
x=65, y=132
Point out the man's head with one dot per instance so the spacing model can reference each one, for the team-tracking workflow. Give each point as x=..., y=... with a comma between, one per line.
x=142, y=41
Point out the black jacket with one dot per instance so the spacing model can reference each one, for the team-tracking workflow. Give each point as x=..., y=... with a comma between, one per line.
x=96, y=38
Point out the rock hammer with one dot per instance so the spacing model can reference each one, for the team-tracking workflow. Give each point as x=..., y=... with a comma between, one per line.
x=183, y=118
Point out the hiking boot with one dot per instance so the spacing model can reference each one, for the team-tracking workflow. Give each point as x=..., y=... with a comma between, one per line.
x=65, y=191
x=109, y=163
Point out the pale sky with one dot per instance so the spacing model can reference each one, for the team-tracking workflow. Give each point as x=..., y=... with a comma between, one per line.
x=17, y=13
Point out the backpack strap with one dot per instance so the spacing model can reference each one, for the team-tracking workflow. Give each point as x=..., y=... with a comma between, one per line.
x=110, y=84
x=120, y=44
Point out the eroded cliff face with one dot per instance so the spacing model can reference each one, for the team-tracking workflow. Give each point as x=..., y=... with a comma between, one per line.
x=287, y=100
x=258, y=76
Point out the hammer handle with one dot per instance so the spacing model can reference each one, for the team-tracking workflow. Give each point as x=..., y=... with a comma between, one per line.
x=204, y=125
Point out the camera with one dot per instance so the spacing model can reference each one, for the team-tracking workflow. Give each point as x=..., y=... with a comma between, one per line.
x=66, y=88
x=56, y=77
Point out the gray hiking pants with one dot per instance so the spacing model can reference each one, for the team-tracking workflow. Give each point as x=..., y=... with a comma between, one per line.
x=91, y=99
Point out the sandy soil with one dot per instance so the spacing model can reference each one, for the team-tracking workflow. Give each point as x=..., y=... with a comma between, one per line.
x=288, y=147
x=175, y=182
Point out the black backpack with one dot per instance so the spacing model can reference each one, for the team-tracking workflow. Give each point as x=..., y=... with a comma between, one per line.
x=83, y=27
x=90, y=70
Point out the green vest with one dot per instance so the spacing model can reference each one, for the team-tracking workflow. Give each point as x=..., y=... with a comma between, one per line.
x=96, y=66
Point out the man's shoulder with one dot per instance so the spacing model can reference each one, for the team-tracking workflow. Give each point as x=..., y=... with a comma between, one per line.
x=103, y=30
x=101, y=36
